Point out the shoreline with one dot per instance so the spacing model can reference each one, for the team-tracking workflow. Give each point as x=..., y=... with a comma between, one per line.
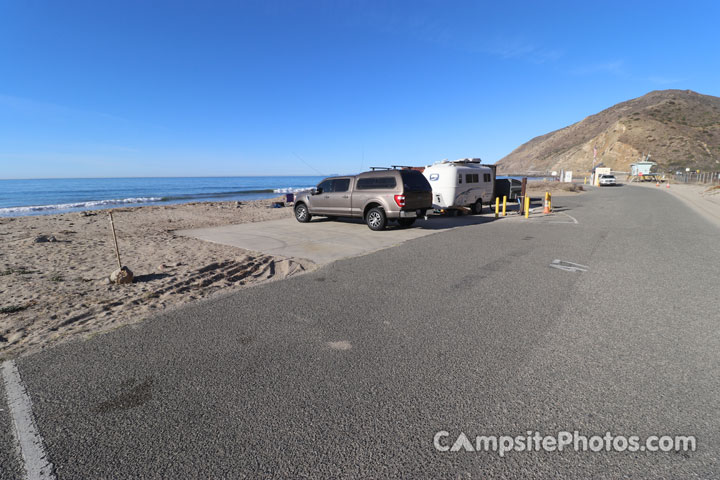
x=23, y=197
x=124, y=203
x=58, y=290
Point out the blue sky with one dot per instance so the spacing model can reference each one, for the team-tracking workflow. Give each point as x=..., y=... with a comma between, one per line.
x=126, y=88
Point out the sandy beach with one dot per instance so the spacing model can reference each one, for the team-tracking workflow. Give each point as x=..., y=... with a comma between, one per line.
x=558, y=189
x=54, y=291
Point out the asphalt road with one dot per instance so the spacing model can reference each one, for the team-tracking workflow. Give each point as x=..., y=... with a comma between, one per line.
x=348, y=372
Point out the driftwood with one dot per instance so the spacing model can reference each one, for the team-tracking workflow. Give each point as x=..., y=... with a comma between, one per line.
x=122, y=274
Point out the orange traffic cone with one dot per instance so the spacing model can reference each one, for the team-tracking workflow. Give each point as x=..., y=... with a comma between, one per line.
x=667, y=185
x=657, y=184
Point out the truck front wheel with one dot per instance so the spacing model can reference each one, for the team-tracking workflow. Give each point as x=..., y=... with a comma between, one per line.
x=302, y=214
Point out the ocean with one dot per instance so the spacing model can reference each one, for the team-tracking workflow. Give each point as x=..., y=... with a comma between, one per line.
x=47, y=196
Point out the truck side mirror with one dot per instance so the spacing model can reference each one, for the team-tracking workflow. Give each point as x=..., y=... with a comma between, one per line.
x=317, y=191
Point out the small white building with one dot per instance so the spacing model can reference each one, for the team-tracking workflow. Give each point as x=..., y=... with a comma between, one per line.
x=641, y=168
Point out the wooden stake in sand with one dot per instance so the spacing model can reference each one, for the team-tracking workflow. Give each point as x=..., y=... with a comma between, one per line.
x=117, y=250
x=122, y=274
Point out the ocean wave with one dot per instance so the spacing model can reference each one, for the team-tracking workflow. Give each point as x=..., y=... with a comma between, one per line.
x=178, y=198
x=291, y=189
x=76, y=205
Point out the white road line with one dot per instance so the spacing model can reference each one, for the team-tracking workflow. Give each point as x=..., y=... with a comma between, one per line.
x=32, y=452
x=569, y=216
x=568, y=266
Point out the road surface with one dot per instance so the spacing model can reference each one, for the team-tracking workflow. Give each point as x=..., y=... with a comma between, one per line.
x=350, y=371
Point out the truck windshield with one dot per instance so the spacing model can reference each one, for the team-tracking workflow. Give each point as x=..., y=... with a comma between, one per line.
x=415, y=181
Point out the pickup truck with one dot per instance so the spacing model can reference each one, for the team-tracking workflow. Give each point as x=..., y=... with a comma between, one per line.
x=377, y=197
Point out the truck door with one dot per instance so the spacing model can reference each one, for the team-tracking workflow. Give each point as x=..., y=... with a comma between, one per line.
x=320, y=201
x=488, y=185
x=339, y=203
x=334, y=199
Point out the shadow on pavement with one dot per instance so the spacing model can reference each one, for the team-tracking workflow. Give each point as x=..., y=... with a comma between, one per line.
x=434, y=222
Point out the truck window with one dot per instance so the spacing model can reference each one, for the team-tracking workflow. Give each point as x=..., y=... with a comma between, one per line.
x=325, y=186
x=414, y=181
x=376, y=183
x=341, y=185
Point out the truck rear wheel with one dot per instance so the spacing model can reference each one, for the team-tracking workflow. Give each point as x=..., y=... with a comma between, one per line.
x=376, y=219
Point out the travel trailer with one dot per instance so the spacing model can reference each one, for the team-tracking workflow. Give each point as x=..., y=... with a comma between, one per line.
x=461, y=183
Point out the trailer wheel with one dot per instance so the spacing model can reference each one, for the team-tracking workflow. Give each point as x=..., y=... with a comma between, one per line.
x=477, y=207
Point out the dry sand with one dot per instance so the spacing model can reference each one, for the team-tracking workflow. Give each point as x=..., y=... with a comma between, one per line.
x=559, y=189
x=56, y=291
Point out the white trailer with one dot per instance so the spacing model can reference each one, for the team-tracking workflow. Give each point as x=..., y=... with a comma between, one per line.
x=460, y=183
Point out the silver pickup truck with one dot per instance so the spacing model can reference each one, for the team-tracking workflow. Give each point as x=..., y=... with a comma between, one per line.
x=377, y=197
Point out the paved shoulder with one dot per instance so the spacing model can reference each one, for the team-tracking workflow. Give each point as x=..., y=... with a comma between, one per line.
x=9, y=453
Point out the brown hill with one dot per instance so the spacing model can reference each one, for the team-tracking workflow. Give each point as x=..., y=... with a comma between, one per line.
x=678, y=128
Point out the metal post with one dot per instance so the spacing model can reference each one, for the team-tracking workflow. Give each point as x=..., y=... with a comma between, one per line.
x=504, y=205
x=497, y=207
x=527, y=206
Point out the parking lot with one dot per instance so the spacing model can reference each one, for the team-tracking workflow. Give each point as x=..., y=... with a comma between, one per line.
x=323, y=241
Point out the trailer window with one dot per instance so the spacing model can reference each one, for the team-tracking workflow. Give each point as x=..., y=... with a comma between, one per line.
x=459, y=177
x=376, y=183
x=471, y=178
x=487, y=177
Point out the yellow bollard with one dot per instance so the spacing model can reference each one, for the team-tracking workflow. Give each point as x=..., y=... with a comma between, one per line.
x=546, y=210
x=504, y=205
x=527, y=206
x=497, y=207
x=550, y=201
x=585, y=182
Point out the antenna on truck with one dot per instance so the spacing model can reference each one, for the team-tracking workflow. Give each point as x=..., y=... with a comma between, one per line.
x=307, y=164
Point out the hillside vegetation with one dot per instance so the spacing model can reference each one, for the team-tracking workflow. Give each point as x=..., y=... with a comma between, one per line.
x=678, y=128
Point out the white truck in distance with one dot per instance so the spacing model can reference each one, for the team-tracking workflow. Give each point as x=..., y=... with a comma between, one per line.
x=460, y=183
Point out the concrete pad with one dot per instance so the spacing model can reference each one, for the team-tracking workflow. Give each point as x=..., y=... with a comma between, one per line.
x=323, y=241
